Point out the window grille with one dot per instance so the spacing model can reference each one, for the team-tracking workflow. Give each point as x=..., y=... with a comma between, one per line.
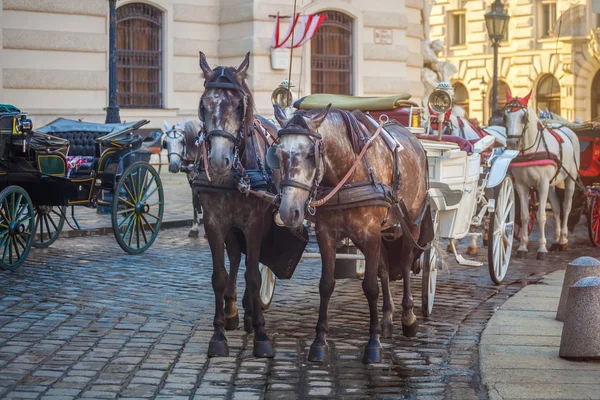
x=331, y=55
x=139, y=56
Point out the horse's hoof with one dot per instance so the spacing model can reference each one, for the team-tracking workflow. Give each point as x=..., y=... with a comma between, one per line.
x=248, y=325
x=485, y=242
x=218, y=348
x=193, y=234
x=449, y=249
x=554, y=247
x=372, y=353
x=521, y=253
x=410, y=330
x=386, y=329
x=232, y=322
x=541, y=255
x=263, y=349
x=318, y=352
x=472, y=251
x=563, y=247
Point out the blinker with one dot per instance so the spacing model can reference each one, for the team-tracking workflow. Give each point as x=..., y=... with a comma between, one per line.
x=164, y=144
x=272, y=160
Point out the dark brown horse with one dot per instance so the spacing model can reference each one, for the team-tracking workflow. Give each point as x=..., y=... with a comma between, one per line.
x=316, y=150
x=234, y=146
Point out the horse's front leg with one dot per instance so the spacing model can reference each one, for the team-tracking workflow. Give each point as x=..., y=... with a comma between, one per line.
x=563, y=242
x=542, y=190
x=372, y=251
x=387, y=321
x=195, y=204
x=217, y=346
x=555, y=205
x=234, y=253
x=262, y=344
x=523, y=192
x=327, y=241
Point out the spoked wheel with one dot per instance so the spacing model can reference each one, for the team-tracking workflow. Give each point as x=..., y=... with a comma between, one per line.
x=502, y=224
x=137, y=209
x=49, y=221
x=267, y=286
x=429, y=263
x=594, y=221
x=17, y=225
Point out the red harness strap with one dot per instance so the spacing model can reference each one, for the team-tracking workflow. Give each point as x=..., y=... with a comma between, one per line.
x=558, y=138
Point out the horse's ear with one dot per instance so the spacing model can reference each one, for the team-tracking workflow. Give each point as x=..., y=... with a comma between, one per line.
x=279, y=114
x=509, y=97
x=526, y=98
x=318, y=119
x=243, y=68
x=167, y=127
x=206, y=70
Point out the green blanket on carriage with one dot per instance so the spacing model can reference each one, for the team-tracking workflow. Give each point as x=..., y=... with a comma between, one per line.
x=351, y=103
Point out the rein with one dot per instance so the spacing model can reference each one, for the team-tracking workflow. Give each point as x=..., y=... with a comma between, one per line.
x=341, y=183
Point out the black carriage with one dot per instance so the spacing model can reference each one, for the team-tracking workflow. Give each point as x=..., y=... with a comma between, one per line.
x=72, y=163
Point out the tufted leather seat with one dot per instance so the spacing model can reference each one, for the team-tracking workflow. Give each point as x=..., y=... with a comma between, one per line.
x=82, y=143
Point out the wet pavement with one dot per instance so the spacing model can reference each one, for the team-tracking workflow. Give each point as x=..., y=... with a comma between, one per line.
x=83, y=319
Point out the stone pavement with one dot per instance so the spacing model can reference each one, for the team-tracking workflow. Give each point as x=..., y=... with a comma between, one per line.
x=519, y=350
x=178, y=205
x=82, y=319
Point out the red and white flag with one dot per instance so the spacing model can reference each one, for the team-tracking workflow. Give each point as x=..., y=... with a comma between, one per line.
x=304, y=28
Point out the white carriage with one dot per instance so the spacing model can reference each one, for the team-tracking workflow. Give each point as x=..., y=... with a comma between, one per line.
x=471, y=193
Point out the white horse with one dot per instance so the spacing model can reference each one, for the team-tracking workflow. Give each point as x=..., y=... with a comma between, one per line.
x=462, y=127
x=182, y=149
x=547, y=159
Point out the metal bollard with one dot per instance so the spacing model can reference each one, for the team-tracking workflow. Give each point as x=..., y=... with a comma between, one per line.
x=580, y=338
x=577, y=269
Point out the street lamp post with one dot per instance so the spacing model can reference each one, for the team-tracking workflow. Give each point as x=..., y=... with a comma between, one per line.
x=112, y=111
x=496, y=22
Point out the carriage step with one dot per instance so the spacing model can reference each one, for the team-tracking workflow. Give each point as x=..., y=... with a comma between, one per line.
x=461, y=260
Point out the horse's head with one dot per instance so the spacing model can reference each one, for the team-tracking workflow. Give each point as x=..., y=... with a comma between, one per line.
x=516, y=119
x=226, y=109
x=175, y=144
x=300, y=157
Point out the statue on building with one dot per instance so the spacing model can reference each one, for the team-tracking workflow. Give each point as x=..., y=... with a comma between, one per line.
x=434, y=71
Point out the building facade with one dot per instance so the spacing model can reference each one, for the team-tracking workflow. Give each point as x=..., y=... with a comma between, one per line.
x=552, y=48
x=54, y=54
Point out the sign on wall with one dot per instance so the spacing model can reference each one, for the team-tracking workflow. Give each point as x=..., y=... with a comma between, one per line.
x=383, y=36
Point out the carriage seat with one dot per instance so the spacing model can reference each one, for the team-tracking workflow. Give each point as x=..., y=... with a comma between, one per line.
x=464, y=144
x=351, y=103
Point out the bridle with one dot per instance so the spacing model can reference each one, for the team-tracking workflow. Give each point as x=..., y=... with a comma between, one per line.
x=514, y=106
x=301, y=129
x=175, y=133
x=225, y=82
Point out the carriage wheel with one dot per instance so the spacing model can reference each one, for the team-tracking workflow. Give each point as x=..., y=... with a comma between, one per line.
x=137, y=208
x=49, y=221
x=594, y=221
x=17, y=225
x=267, y=286
x=502, y=223
x=429, y=263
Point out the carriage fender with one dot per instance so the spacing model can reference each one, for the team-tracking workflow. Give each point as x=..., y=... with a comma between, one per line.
x=500, y=167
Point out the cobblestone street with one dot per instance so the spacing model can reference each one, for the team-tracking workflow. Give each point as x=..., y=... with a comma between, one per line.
x=83, y=319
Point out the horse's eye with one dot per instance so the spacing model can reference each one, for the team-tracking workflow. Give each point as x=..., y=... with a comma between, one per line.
x=524, y=118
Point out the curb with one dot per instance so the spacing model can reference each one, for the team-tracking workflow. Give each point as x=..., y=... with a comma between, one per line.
x=108, y=230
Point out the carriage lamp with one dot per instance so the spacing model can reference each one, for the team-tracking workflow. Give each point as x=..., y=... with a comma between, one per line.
x=24, y=124
x=440, y=101
x=496, y=22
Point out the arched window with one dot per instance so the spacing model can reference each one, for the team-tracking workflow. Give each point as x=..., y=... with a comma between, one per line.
x=461, y=96
x=596, y=95
x=548, y=94
x=139, y=56
x=331, y=55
